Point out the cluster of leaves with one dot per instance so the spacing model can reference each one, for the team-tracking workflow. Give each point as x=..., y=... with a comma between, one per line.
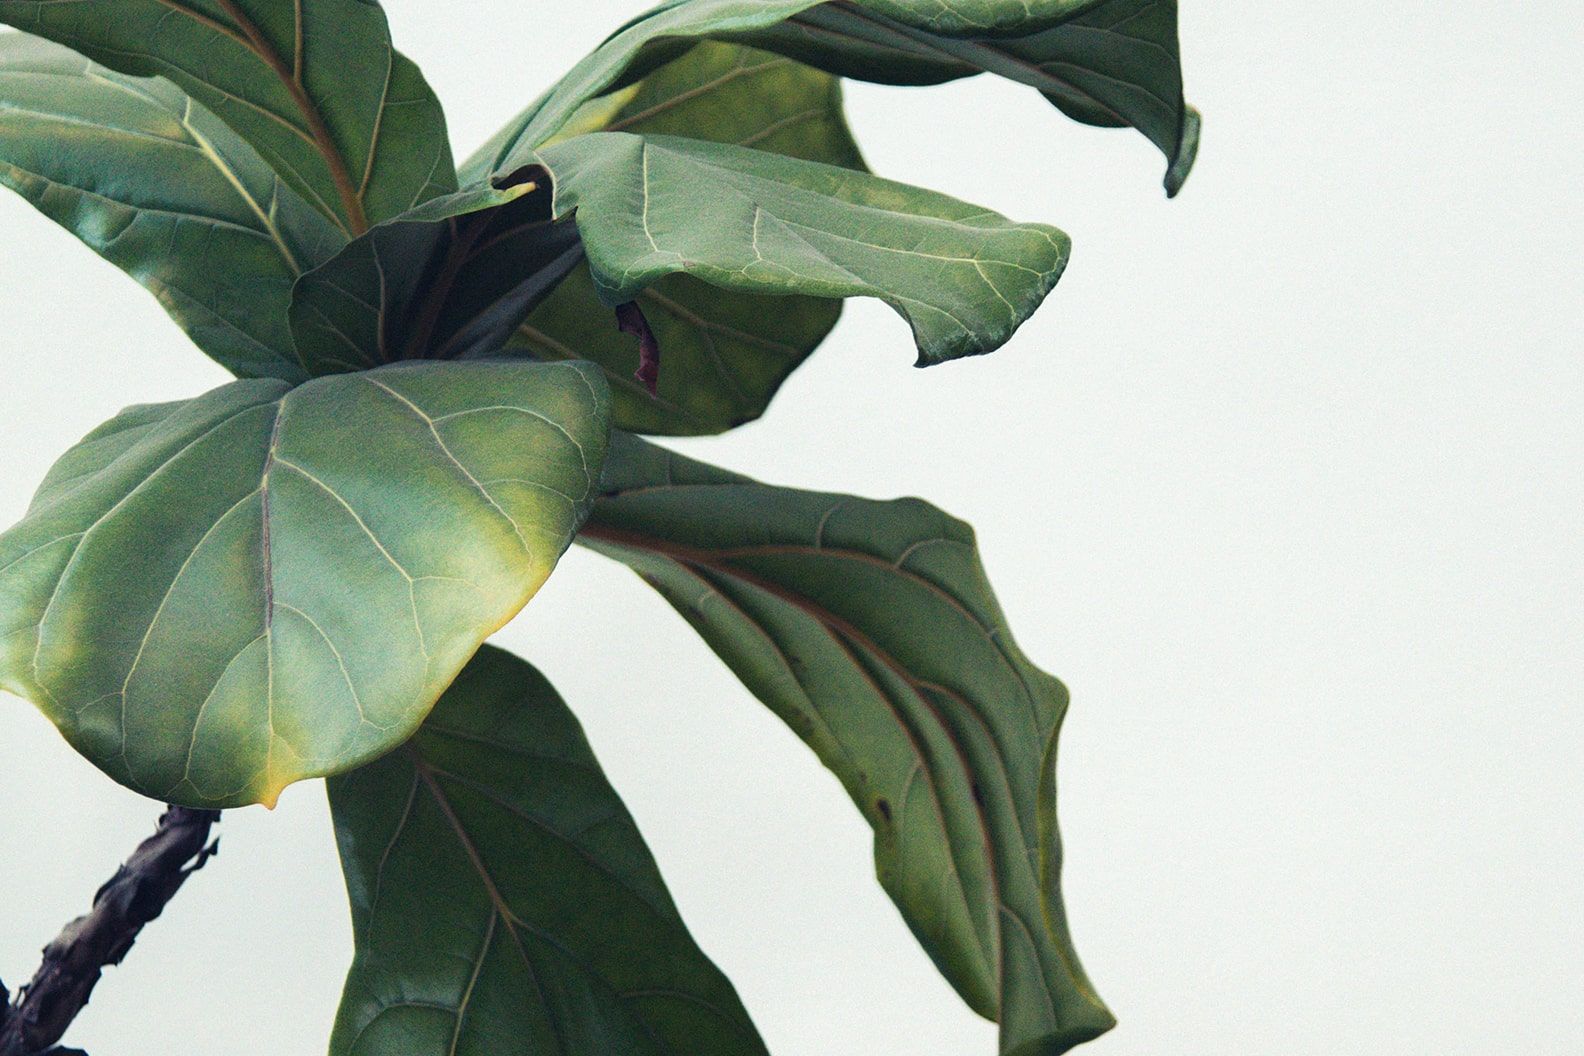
x=292, y=576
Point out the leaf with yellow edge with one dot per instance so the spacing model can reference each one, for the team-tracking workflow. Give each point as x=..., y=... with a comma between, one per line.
x=215, y=598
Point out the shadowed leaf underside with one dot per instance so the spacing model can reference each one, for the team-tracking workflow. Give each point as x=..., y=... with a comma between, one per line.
x=1104, y=62
x=870, y=628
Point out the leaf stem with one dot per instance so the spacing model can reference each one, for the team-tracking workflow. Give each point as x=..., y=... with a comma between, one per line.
x=630, y=319
x=463, y=234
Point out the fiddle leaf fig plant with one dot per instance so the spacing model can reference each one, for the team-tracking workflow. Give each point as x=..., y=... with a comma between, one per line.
x=444, y=374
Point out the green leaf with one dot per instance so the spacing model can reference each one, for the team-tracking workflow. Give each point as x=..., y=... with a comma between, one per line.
x=1105, y=62
x=450, y=280
x=726, y=353
x=314, y=85
x=165, y=191
x=964, y=278
x=215, y=598
x=870, y=628
x=503, y=901
x=727, y=93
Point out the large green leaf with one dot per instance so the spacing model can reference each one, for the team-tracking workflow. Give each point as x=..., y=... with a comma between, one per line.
x=1106, y=62
x=165, y=191
x=728, y=93
x=454, y=277
x=725, y=352
x=314, y=85
x=870, y=628
x=448, y=280
x=503, y=901
x=647, y=207
x=214, y=598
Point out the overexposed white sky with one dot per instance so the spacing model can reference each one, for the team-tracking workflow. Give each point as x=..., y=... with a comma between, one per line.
x=1285, y=481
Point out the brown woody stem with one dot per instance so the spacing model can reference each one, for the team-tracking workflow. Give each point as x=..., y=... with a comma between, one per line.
x=135, y=895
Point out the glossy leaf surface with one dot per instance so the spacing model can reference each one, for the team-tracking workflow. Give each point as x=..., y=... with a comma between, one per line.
x=1105, y=62
x=503, y=901
x=870, y=628
x=964, y=278
x=164, y=190
x=725, y=352
x=314, y=85
x=215, y=598
x=451, y=279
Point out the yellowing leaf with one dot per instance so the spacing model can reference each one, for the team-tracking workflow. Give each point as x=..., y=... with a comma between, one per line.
x=215, y=598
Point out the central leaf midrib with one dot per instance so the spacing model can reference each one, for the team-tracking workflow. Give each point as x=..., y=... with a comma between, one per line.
x=246, y=33
x=267, y=571
x=430, y=777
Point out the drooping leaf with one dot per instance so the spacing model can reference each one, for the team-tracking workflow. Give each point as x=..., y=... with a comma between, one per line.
x=725, y=352
x=870, y=628
x=214, y=598
x=449, y=280
x=503, y=901
x=314, y=85
x=1105, y=62
x=165, y=191
x=647, y=207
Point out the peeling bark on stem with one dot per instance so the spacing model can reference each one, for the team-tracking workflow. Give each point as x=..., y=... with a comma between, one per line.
x=135, y=895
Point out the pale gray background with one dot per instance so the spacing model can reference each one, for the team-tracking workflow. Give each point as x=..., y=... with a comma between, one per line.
x=1285, y=481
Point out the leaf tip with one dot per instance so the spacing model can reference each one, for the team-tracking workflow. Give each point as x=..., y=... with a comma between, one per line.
x=269, y=795
x=1187, y=150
